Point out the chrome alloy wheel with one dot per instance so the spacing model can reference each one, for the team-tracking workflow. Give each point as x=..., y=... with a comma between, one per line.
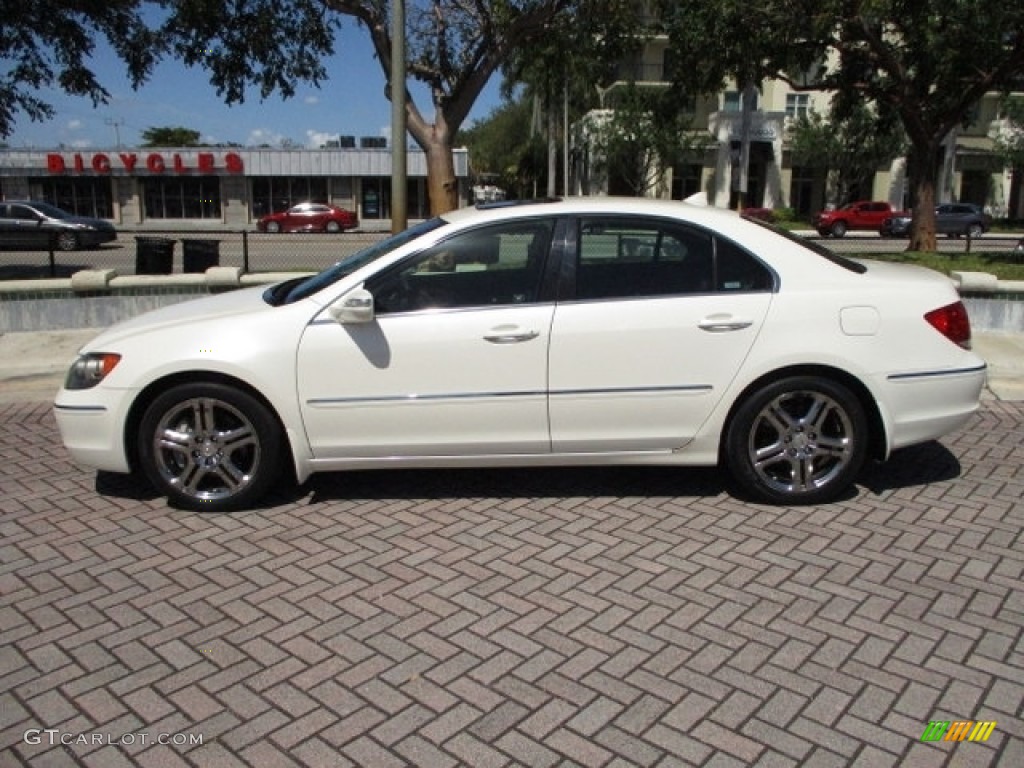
x=801, y=441
x=206, y=449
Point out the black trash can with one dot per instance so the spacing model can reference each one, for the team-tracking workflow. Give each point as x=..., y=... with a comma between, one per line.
x=200, y=255
x=154, y=255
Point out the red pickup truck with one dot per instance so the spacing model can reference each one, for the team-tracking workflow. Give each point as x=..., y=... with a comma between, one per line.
x=864, y=214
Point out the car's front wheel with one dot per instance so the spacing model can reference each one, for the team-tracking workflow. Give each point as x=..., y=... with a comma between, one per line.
x=273, y=227
x=838, y=229
x=799, y=440
x=975, y=230
x=209, y=447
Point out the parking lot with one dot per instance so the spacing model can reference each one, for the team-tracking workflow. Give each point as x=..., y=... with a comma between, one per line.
x=514, y=617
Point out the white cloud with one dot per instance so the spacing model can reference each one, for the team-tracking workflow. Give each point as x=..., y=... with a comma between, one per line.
x=260, y=136
x=311, y=100
x=81, y=143
x=74, y=125
x=316, y=139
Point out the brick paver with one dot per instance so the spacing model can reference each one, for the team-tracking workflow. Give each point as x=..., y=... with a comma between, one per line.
x=606, y=617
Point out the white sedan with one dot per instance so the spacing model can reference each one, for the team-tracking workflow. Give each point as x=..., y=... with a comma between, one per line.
x=577, y=332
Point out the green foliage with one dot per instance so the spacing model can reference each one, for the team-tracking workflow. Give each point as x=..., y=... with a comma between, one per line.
x=930, y=61
x=502, y=149
x=647, y=131
x=170, y=136
x=1009, y=141
x=851, y=145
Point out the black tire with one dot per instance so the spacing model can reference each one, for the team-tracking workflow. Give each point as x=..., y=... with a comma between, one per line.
x=273, y=227
x=332, y=227
x=67, y=241
x=838, y=229
x=210, y=447
x=975, y=230
x=800, y=440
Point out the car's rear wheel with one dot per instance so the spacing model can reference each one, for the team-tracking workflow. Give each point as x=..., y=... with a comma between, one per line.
x=799, y=440
x=838, y=229
x=67, y=241
x=333, y=227
x=209, y=447
x=273, y=227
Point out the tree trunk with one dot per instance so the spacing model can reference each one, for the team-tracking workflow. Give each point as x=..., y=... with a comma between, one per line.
x=442, y=186
x=922, y=172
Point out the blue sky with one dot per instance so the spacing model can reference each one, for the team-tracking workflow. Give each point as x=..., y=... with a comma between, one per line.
x=350, y=102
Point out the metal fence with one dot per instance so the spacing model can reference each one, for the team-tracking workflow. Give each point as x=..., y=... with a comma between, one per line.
x=166, y=251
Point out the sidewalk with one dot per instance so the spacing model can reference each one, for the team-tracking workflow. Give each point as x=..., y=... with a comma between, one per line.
x=32, y=365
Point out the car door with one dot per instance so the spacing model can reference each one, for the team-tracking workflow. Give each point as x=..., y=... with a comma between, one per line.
x=661, y=317
x=454, y=362
x=24, y=228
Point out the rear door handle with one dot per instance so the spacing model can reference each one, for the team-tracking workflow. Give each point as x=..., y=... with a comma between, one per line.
x=720, y=324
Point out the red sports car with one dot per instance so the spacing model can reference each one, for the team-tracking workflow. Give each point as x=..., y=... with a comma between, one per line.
x=309, y=217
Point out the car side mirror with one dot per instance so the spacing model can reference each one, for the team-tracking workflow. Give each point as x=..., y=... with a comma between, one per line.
x=354, y=307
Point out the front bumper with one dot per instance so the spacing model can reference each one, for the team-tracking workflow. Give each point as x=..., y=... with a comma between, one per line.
x=91, y=424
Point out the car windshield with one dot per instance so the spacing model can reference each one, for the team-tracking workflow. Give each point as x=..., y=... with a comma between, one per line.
x=50, y=210
x=301, y=288
x=812, y=246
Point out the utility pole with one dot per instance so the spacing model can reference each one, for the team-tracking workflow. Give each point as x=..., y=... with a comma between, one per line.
x=117, y=132
x=399, y=171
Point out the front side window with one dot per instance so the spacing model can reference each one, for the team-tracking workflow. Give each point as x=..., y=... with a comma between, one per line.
x=489, y=266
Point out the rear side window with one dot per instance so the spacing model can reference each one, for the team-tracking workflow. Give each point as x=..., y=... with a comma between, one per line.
x=629, y=258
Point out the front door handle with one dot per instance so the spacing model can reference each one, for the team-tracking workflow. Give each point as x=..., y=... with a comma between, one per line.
x=509, y=334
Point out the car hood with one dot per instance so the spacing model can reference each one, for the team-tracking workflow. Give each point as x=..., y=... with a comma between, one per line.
x=198, y=311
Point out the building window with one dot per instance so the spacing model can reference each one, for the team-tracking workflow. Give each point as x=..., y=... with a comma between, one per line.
x=797, y=104
x=732, y=101
x=271, y=194
x=182, y=198
x=82, y=197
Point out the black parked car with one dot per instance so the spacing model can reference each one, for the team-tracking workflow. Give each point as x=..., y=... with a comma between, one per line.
x=952, y=219
x=31, y=224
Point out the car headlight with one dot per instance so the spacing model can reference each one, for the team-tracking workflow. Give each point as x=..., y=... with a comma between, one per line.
x=89, y=370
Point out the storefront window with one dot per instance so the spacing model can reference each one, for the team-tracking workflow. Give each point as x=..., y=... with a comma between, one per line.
x=82, y=197
x=271, y=193
x=182, y=198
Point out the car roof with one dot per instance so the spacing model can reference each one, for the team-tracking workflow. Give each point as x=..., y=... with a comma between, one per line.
x=567, y=206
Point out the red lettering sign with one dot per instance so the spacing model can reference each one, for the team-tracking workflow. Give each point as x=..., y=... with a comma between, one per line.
x=155, y=163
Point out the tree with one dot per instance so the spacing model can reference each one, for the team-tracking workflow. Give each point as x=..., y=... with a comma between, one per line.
x=849, y=149
x=1008, y=134
x=453, y=49
x=647, y=131
x=501, y=147
x=930, y=62
x=170, y=136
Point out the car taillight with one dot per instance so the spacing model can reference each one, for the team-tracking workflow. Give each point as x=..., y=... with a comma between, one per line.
x=952, y=322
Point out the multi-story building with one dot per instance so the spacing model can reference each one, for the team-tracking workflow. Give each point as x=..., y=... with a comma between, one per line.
x=972, y=171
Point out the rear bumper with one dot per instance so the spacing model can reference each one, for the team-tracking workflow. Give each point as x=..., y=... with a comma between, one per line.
x=931, y=404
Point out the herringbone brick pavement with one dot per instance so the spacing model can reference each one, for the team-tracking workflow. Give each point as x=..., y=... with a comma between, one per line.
x=633, y=617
